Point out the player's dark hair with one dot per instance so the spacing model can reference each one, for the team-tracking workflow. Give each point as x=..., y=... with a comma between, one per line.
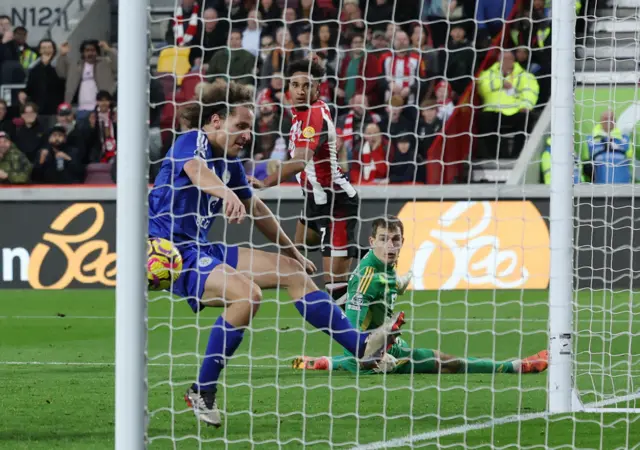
x=218, y=98
x=388, y=222
x=305, y=66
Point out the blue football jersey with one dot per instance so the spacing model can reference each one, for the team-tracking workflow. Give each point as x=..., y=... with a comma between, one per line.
x=178, y=210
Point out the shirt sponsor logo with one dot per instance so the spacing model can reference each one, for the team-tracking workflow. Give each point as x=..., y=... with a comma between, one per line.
x=475, y=245
x=309, y=132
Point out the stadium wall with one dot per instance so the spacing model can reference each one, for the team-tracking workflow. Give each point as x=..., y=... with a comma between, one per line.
x=65, y=238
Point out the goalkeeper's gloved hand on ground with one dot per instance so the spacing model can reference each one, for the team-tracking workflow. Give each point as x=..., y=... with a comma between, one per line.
x=386, y=364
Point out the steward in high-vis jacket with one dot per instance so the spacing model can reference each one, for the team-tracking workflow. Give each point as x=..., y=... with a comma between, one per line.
x=508, y=94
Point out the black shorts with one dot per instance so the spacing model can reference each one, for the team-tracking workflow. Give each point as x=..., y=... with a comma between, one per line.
x=335, y=221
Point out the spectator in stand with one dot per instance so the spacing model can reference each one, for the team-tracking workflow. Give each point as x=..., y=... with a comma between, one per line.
x=429, y=125
x=609, y=155
x=44, y=86
x=351, y=22
x=458, y=59
x=355, y=122
x=372, y=162
x=280, y=57
x=16, y=107
x=420, y=41
x=30, y=132
x=379, y=45
x=358, y=74
x=304, y=40
x=324, y=43
x=508, y=94
x=438, y=14
x=291, y=22
x=236, y=11
x=17, y=49
x=15, y=167
x=396, y=124
x=58, y=162
x=444, y=98
x=490, y=18
x=271, y=16
x=327, y=85
x=407, y=165
x=267, y=44
x=214, y=36
x=66, y=119
x=184, y=27
x=6, y=123
x=404, y=70
x=233, y=63
x=532, y=29
x=95, y=72
x=545, y=165
x=251, y=34
x=310, y=10
x=15, y=56
x=379, y=14
x=102, y=131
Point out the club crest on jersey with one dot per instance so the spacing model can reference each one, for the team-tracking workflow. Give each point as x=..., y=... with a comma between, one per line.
x=308, y=132
x=205, y=261
x=226, y=176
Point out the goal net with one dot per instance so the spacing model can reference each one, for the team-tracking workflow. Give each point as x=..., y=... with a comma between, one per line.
x=433, y=109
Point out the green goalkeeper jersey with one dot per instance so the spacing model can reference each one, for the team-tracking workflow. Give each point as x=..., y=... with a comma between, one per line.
x=372, y=293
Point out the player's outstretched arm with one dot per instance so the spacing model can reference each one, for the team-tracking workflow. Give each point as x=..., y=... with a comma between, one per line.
x=289, y=168
x=269, y=226
x=207, y=181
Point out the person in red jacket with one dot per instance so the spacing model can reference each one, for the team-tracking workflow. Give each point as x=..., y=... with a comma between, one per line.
x=372, y=165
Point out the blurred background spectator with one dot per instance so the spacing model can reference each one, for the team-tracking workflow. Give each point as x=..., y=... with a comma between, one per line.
x=44, y=86
x=30, y=131
x=508, y=93
x=57, y=162
x=233, y=62
x=410, y=70
x=96, y=71
x=15, y=168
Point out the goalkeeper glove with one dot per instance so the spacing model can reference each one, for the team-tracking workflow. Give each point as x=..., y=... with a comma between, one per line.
x=386, y=364
x=403, y=282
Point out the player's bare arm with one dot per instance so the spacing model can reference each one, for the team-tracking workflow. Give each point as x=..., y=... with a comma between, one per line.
x=208, y=182
x=269, y=226
x=290, y=168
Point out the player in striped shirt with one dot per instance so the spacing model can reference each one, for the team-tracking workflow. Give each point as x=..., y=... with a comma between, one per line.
x=373, y=290
x=331, y=210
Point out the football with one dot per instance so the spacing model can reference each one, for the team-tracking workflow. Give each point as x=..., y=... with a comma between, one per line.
x=164, y=264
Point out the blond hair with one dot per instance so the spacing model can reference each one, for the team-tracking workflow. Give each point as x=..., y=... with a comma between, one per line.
x=214, y=98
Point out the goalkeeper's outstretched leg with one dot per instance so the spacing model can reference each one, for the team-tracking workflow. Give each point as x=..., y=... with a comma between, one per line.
x=427, y=361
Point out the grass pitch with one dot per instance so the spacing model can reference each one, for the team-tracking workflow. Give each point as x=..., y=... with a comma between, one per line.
x=57, y=353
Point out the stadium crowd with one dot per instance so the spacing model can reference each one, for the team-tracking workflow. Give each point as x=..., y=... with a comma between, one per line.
x=396, y=76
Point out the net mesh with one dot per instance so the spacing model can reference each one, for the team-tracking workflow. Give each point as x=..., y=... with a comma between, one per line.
x=415, y=108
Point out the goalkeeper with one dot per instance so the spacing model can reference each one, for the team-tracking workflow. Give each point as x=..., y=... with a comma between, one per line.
x=371, y=296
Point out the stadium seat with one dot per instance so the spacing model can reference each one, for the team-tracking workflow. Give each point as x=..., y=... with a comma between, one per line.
x=189, y=85
x=99, y=173
x=174, y=60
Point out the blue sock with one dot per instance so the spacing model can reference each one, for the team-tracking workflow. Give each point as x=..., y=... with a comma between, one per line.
x=319, y=310
x=223, y=342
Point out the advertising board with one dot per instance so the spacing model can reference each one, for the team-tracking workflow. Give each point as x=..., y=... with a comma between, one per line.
x=484, y=244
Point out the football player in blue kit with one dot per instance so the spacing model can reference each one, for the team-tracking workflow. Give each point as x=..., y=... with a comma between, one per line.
x=202, y=178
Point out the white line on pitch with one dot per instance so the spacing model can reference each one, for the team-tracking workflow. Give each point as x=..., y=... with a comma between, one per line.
x=110, y=364
x=299, y=319
x=462, y=429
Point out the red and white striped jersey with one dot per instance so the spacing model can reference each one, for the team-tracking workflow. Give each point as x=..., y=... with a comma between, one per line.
x=405, y=70
x=313, y=128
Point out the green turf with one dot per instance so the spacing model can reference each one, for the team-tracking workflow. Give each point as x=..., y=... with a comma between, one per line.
x=71, y=406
